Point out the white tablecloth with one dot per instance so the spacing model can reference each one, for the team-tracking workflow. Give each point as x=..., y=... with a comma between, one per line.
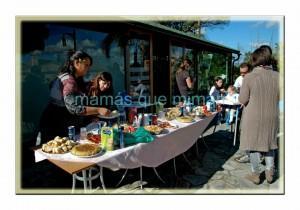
x=163, y=148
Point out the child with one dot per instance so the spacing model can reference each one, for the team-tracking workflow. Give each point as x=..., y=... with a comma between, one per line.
x=232, y=96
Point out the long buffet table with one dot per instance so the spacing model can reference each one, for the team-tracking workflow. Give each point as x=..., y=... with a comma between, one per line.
x=165, y=146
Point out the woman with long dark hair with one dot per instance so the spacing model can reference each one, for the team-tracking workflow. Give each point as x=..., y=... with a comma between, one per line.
x=101, y=85
x=217, y=89
x=65, y=107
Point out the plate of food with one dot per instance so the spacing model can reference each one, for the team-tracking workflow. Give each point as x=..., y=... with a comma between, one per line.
x=185, y=119
x=154, y=129
x=86, y=150
x=165, y=124
x=59, y=145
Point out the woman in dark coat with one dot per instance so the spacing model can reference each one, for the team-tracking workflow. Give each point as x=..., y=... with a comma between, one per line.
x=260, y=95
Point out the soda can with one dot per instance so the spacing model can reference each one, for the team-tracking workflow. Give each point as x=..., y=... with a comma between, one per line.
x=154, y=119
x=71, y=132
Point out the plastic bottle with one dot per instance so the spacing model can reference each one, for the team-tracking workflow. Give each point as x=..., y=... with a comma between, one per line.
x=213, y=104
x=208, y=105
x=121, y=133
x=38, y=139
x=139, y=120
x=188, y=106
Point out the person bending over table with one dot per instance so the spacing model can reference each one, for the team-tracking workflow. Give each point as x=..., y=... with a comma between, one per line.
x=65, y=107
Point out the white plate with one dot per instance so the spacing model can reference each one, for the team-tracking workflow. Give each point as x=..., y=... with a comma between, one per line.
x=54, y=153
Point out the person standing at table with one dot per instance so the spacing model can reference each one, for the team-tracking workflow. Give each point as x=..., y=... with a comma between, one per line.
x=183, y=78
x=217, y=90
x=64, y=109
x=244, y=69
x=259, y=126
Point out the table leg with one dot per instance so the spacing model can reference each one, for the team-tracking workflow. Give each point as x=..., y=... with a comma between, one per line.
x=73, y=183
x=185, y=158
x=84, y=181
x=202, y=138
x=235, y=126
x=141, y=177
x=90, y=179
x=122, y=178
x=101, y=178
x=158, y=176
x=197, y=149
x=174, y=163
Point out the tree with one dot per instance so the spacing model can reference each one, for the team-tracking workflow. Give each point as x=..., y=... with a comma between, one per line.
x=195, y=27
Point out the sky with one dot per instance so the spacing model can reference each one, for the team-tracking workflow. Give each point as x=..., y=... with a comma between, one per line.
x=246, y=35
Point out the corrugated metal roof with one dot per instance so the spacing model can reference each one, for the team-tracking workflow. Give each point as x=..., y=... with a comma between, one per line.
x=164, y=29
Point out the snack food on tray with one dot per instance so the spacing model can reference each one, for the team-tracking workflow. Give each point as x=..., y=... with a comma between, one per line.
x=154, y=129
x=58, y=145
x=85, y=150
x=185, y=119
x=172, y=113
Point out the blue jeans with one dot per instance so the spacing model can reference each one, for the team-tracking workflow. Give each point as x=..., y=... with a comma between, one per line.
x=255, y=160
